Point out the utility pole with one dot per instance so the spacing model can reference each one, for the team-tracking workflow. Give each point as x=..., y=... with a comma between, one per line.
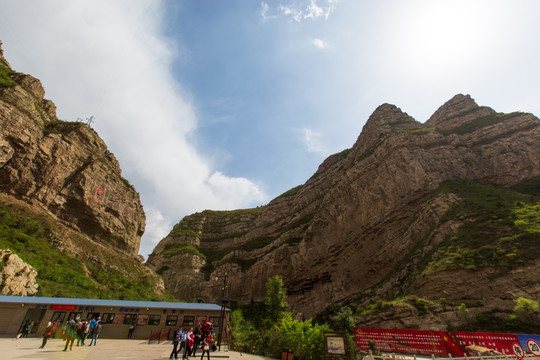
x=224, y=301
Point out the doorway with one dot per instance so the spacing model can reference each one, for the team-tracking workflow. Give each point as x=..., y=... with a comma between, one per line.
x=34, y=316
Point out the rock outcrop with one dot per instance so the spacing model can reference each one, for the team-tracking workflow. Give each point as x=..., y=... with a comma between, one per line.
x=344, y=232
x=17, y=278
x=63, y=167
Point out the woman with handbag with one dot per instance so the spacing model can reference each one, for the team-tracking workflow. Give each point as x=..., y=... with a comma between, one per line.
x=207, y=340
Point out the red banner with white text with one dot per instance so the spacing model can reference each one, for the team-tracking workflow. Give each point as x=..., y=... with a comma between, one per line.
x=442, y=343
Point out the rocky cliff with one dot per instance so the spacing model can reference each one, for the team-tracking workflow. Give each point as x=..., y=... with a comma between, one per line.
x=70, y=224
x=367, y=222
x=16, y=277
x=63, y=167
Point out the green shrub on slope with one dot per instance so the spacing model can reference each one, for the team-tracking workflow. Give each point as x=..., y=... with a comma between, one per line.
x=34, y=239
x=501, y=227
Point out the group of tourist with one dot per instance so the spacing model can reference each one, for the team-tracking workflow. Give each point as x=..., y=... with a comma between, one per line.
x=190, y=340
x=185, y=342
x=73, y=330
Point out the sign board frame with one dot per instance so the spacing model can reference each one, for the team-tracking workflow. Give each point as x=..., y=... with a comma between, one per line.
x=335, y=345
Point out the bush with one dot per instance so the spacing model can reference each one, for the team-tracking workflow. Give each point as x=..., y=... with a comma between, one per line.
x=271, y=329
x=526, y=309
x=183, y=247
x=303, y=338
x=500, y=229
x=34, y=238
x=372, y=344
x=245, y=333
x=344, y=320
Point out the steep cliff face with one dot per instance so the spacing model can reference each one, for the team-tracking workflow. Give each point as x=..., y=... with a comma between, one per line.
x=63, y=167
x=347, y=230
x=70, y=225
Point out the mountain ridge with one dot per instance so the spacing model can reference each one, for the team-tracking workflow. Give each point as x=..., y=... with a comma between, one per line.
x=63, y=167
x=65, y=209
x=354, y=218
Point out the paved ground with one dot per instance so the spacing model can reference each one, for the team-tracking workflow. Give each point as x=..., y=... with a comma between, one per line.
x=106, y=349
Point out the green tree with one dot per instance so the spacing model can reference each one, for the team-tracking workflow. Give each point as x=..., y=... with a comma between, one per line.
x=275, y=298
x=245, y=334
x=526, y=308
x=344, y=320
x=304, y=338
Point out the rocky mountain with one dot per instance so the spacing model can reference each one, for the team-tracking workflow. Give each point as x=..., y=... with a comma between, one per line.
x=16, y=276
x=377, y=220
x=63, y=167
x=412, y=221
x=66, y=213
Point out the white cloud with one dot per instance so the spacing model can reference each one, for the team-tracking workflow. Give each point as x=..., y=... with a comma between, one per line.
x=330, y=8
x=159, y=229
x=321, y=44
x=109, y=59
x=313, y=11
x=312, y=141
x=308, y=10
x=289, y=11
x=233, y=192
x=264, y=11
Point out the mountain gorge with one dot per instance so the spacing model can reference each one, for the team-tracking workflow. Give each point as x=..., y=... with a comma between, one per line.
x=372, y=220
x=410, y=222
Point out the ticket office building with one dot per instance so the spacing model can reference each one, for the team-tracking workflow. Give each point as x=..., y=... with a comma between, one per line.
x=117, y=316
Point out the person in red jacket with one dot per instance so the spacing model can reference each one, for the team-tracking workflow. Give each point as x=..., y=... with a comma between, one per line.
x=190, y=342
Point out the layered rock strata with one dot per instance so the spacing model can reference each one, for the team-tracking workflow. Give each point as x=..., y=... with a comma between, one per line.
x=63, y=167
x=345, y=230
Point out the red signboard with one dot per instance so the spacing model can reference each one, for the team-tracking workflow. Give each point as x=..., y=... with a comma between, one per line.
x=403, y=341
x=435, y=342
x=503, y=343
x=62, y=307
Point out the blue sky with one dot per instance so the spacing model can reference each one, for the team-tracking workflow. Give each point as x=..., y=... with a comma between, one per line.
x=227, y=104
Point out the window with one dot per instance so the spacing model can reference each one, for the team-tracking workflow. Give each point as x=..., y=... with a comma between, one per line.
x=130, y=318
x=74, y=315
x=58, y=316
x=107, y=318
x=92, y=315
x=171, y=320
x=142, y=319
x=189, y=321
x=154, y=320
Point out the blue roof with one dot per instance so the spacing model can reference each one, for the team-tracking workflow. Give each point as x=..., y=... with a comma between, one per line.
x=102, y=302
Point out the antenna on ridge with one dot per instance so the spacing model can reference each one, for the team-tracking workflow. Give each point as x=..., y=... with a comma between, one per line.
x=88, y=121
